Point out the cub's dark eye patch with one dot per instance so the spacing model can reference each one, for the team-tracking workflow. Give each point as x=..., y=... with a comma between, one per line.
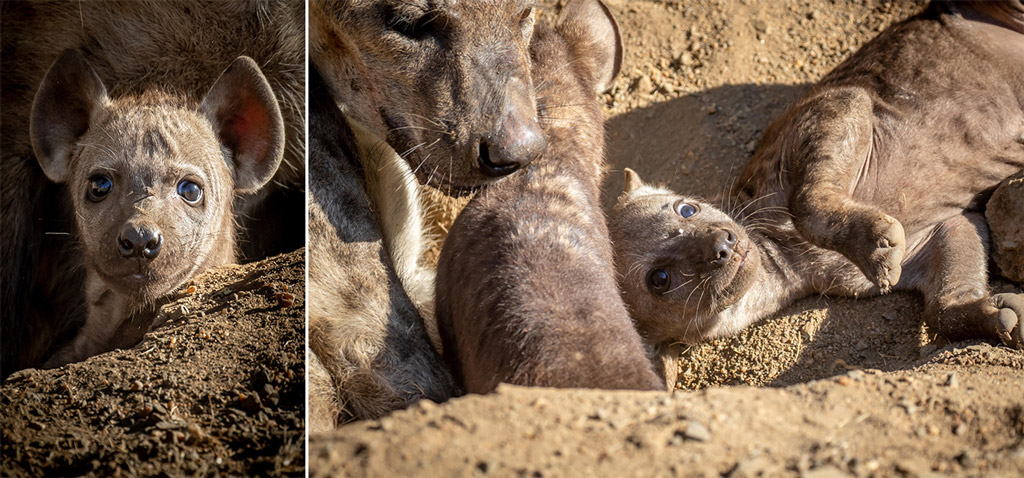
x=685, y=209
x=658, y=281
x=191, y=192
x=100, y=186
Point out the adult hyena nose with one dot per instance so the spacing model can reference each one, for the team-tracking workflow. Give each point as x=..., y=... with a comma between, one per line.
x=723, y=242
x=516, y=141
x=140, y=240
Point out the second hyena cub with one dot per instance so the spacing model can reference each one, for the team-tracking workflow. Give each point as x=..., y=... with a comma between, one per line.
x=152, y=178
x=875, y=181
x=526, y=290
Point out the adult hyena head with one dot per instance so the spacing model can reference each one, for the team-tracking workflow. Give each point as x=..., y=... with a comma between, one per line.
x=152, y=177
x=446, y=82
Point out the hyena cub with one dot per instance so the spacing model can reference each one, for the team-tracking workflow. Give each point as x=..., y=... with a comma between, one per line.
x=526, y=290
x=152, y=178
x=874, y=182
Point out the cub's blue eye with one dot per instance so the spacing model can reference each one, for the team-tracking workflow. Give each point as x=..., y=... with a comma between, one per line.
x=658, y=280
x=190, y=191
x=685, y=209
x=99, y=186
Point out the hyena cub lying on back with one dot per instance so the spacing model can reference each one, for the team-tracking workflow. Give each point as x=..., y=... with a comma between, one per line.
x=526, y=290
x=152, y=178
x=874, y=182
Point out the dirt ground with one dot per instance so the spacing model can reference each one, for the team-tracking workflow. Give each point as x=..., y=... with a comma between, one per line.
x=828, y=388
x=218, y=390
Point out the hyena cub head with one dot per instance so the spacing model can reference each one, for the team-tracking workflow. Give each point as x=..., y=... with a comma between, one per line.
x=447, y=81
x=152, y=177
x=680, y=261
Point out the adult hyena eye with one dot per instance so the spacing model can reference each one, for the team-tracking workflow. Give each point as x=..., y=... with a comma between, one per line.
x=685, y=209
x=191, y=192
x=411, y=26
x=99, y=186
x=658, y=280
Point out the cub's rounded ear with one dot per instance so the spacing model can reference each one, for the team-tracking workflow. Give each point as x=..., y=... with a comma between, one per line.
x=244, y=113
x=592, y=33
x=633, y=181
x=64, y=104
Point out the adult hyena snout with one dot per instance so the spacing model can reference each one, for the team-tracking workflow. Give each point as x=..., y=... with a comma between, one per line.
x=515, y=140
x=723, y=246
x=140, y=239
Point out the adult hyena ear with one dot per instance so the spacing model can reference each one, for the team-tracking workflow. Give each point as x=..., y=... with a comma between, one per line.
x=633, y=181
x=69, y=96
x=592, y=33
x=244, y=113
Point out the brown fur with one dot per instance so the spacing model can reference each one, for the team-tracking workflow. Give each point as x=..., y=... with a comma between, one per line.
x=457, y=81
x=447, y=85
x=1003, y=213
x=135, y=46
x=143, y=237
x=875, y=181
x=526, y=290
x=364, y=331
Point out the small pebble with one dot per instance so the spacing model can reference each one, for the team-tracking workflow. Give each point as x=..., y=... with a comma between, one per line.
x=643, y=84
x=695, y=431
x=250, y=402
x=967, y=459
x=285, y=300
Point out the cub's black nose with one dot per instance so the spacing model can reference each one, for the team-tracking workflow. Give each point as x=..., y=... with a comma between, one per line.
x=722, y=243
x=140, y=240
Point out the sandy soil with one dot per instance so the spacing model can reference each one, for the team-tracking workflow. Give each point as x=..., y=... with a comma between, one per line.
x=828, y=388
x=218, y=390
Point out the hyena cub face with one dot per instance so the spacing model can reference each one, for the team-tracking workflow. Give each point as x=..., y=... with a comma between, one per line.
x=680, y=261
x=450, y=81
x=151, y=177
x=152, y=195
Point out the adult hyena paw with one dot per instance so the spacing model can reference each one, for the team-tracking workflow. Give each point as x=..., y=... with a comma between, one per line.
x=1008, y=322
x=887, y=246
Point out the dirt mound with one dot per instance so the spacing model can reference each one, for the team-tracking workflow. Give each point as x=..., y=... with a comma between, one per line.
x=219, y=389
x=932, y=419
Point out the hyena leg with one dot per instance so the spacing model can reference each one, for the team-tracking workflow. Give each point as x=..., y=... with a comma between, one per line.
x=324, y=409
x=834, y=144
x=955, y=285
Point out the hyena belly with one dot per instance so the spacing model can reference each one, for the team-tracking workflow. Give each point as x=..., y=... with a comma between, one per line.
x=364, y=330
x=151, y=178
x=526, y=290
